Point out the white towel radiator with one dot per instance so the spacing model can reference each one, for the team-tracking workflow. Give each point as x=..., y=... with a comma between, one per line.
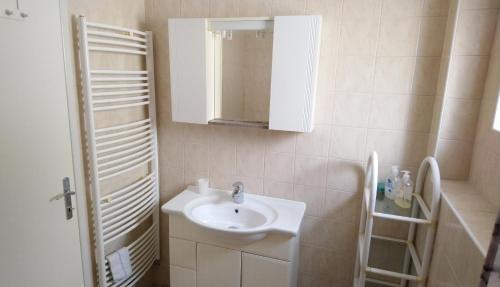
x=128, y=215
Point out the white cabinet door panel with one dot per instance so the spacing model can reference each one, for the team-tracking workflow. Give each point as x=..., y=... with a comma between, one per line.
x=182, y=253
x=259, y=271
x=182, y=277
x=296, y=45
x=191, y=79
x=218, y=266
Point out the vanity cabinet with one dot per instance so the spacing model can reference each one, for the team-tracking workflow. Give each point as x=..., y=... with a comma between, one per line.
x=200, y=258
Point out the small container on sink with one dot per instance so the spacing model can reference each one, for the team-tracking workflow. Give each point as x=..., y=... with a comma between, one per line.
x=203, y=186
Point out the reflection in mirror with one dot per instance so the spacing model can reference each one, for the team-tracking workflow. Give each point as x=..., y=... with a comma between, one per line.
x=243, y=75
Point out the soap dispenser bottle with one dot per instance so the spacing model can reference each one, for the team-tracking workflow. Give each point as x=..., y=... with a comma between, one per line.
x=403, y=198
x=392, y=183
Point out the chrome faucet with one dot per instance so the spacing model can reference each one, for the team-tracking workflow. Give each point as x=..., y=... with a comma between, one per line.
x=238, y=192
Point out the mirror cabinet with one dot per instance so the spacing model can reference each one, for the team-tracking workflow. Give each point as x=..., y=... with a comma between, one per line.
x=245, y=71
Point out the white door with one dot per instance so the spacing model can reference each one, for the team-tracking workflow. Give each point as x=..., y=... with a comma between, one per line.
x=38, y=246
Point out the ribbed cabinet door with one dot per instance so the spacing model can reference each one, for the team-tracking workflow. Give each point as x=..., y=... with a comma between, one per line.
x=296, y=45
x=190, y=76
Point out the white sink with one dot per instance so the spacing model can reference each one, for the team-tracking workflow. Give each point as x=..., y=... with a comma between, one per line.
x=249, y=221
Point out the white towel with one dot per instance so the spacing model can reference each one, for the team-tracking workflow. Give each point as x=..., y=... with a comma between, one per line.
x=125, y=259
x=119, y=263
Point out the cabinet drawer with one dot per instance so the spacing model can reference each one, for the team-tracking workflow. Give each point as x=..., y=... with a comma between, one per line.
x=258, y=271
x=182, y=253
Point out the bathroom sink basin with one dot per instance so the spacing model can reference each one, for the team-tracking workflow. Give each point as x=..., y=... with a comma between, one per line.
x=249, y=221
x=219, y=212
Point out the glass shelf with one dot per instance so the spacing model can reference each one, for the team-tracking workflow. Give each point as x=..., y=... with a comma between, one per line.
x=386, y=261
x=387, y=208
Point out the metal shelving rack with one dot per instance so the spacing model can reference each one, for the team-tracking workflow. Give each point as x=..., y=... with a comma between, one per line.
x=419, y=214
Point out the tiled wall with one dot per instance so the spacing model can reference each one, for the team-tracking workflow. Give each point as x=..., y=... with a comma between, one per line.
x=456, y=260
x=461, y=85
x=485, y=169
x=378, y=72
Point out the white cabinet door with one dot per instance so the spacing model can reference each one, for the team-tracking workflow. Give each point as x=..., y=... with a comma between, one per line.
x=191, y=70
x=218, y=266
x=259, y=271
x=296, y=45
x=182, y=253
x=182, y=277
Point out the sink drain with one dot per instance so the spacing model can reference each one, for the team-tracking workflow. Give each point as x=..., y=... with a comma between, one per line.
x=232, y=227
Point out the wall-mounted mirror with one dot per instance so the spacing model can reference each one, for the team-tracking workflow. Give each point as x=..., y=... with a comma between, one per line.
x=243, y=64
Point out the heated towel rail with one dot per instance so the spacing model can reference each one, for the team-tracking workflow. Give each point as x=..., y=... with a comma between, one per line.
x=127, y=215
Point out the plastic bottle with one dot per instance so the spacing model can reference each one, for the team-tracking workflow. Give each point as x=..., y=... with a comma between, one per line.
x=404, y=195
x=392, y=183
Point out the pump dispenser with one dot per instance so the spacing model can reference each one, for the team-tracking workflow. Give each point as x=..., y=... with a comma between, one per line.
x=404, y=195
x=392, y=183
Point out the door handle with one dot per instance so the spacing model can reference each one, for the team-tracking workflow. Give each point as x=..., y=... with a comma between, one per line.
x=66, y=194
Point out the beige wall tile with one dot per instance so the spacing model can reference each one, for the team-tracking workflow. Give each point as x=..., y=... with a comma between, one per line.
x=351, y=109
x=310, y=171
x=398, y=36
x=420, y=114
x=389, y=111
x=315, y=143
x=355, y=74
x=435, y=7
x=475, y=32
x=348, y=143
x=279, y=166
x=452, y=166
x=401, y=8
x=278, y=141
x=223, y=8
x=278, y=189
x=223, y=159
x=467, y=76
x=195, y=8
x=342, y=205
x=196, y=158
x=361, y=8
x=388, y=145
x=359, y=36
x=459, y=119
x=313, y=196
x=329, y=9
x=254, y=8
x=426, y=75
x=480, y=4
x=393, y=74
x=288, y=7
x=250, y=162
x=345, y=175
x=432, y=34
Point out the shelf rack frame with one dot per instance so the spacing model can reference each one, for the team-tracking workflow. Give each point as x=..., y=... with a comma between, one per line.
x=429, y=220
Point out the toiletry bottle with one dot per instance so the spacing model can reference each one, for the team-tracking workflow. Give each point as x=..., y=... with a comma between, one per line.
x=392, y=183
x=404, y=195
